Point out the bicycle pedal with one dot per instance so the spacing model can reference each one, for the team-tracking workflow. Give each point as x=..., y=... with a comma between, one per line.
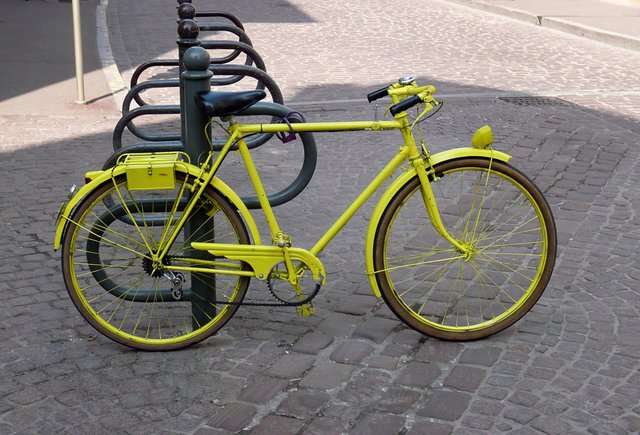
x=305, y=310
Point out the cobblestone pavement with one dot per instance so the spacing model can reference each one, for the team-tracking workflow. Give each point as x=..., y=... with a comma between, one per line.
x=570, y=366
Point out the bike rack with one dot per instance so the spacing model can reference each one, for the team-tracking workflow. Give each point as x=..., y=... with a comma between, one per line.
x=129, y=114
x=197, y=71
x=262, y=108
x=188, y=31
x=240, y=47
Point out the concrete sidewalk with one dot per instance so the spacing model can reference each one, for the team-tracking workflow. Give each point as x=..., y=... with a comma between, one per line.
x=38, y=65
x=615, y=22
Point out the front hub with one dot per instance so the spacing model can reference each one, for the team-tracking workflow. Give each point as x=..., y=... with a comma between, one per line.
x=467, y=250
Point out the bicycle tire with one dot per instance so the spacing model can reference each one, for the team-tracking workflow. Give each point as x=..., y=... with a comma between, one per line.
x=489, y=206
x=113, y=283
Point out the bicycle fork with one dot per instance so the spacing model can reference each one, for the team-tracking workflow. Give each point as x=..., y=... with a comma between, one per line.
x=432, y=209
x=417, y=160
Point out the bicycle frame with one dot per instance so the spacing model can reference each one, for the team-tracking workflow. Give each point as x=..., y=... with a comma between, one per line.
x=263, y=257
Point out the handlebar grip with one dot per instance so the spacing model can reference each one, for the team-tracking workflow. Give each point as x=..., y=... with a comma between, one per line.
x=405, y=104
x=376, y=95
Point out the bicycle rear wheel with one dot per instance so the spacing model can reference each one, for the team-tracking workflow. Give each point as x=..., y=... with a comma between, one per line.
x=506, y=223
x=109, y=273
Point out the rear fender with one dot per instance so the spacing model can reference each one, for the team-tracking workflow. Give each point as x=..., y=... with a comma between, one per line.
x=100, y=177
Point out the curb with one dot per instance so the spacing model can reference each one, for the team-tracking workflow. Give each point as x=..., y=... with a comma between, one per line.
x=563, y=25
x=115, y=80
x=584, y=31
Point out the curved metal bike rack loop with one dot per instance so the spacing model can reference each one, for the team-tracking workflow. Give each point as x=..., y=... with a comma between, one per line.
x=126, y=120
x=240, y=47
x=262, y=108
x=219, y=14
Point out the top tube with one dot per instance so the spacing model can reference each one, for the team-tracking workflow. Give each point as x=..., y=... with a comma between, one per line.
x=321, y=126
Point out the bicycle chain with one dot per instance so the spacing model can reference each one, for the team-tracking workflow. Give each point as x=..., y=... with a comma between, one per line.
x=281, y=303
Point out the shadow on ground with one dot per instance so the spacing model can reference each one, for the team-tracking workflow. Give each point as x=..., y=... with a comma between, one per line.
x=57, y=374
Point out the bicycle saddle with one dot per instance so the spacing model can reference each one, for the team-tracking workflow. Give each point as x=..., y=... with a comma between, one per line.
x=227, y=103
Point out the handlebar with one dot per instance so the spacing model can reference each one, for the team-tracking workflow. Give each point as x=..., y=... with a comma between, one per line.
x=376, y=95
x=405, y=104
x=404, y=94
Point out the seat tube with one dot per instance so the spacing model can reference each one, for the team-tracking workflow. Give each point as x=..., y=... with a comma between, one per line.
x=257, y=183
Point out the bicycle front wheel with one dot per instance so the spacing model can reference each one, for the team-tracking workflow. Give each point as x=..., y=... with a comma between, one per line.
x=507, y=228
x=109, y=271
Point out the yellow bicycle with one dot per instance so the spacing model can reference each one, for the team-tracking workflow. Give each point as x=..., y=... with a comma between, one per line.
x=157, y=253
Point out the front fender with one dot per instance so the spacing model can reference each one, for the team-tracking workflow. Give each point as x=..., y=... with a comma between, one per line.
x=100, y=177
x=452, y=154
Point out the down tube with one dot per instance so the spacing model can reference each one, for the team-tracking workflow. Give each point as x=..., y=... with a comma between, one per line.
x=359, y=201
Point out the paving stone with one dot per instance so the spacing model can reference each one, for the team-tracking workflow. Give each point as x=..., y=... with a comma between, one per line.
x=523, y=398
x=380, y=424
x=276, y=424
x=408, y=337
x=520, y=414
x=417, y=374
x=321, y=426
x=444, y=405
x=357, y=305
x=550, y=407
x=262, y=389
x=493, y=392
x=338, y=325
x=365, y=388
x=485, y=356
x=607, y=412
x=486, y=407
x=303, y=404
x=233, y=417
x=397, y=400
x=397, y=351
x=630, y=423
x=439, y=351
x=550, y=424
x=312, y=343
x=26, y=396
x=383, y=362
x=376, y=329
x=477, y=422
x=602, y=428
x=291, y=366
x=465, y=378
x=423, y=426
x=540, y=373
x=346, y=413
x=352, y=352
x=581, y=417
x=327, y=376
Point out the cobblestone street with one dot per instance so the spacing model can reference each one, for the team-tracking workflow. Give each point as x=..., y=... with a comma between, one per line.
x=566, y=108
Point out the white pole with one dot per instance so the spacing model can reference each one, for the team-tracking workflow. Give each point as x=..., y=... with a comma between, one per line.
x=77, y=45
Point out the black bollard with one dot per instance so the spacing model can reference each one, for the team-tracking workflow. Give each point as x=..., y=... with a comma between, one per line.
x=197, y=78
x=188, y=31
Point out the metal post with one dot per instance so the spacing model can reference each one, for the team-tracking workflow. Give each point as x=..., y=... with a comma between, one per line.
x=188, y=31
x=77, y=45
x=197, y=78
